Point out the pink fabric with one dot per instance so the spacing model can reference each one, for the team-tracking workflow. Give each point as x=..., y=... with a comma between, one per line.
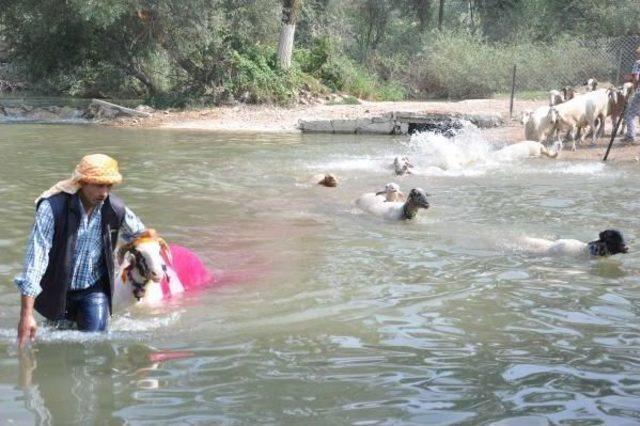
x=189, y=268
x=169, y=355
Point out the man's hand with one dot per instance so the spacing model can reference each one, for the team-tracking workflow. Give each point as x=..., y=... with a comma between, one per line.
x=26, y=330
x=27, y=325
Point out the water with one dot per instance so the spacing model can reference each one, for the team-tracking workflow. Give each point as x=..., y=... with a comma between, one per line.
x=328, y=315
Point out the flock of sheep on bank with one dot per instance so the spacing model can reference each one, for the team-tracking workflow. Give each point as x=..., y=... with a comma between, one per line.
x=577, y=114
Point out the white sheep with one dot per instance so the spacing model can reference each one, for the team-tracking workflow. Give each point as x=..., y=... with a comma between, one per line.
x=374, y=204
x=392, y=193
x=609, y=243
x=149, y=271
x=401, y=165
x=141, y=268
x=538, y=125
x=574, y=115
x=556, y=97
x=526, y=149
x=559, y=96
x=592, y=84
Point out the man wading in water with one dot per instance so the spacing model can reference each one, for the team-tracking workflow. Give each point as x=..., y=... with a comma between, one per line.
x=68, y=269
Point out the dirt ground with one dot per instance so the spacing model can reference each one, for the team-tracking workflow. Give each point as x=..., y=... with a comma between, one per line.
x=252, y=118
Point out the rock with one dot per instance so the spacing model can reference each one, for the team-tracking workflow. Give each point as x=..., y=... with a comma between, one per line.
x=376, y=127
x=315, y=126
x=245, y=97
x=145, y=108
x=485, y=121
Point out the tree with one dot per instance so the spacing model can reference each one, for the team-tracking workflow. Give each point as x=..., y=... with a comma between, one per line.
x=290, y=11
x=416, y=9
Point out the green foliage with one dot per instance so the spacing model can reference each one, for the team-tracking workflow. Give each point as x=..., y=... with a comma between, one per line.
x=255, y=73
x=345, y=100
x=200, y=52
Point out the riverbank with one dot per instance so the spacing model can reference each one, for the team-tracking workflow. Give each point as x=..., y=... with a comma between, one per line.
x=259, y=118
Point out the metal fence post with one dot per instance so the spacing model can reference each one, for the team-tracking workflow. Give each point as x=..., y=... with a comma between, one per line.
x=513, y=91
x=617, y=79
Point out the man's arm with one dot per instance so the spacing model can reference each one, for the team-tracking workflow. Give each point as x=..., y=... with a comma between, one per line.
x=634, y=76
x=35, y=265
x=131, y=225
x=27, y=325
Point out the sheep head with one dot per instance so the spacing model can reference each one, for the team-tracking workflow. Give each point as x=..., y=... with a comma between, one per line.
x=143, y=260
x=568, y=93
x=526, y=116
x=614, y=96
x=329, y=181
x=402, y=165
x=553, y=115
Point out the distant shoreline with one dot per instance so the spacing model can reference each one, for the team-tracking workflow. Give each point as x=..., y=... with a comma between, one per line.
x=270, y=119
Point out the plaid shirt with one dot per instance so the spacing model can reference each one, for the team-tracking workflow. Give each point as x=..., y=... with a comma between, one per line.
x=88, y=267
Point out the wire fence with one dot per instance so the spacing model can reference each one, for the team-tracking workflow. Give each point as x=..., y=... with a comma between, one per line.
x=607, y=60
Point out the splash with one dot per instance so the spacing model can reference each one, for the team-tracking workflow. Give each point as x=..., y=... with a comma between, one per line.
x=466, y=152
x=469, y=153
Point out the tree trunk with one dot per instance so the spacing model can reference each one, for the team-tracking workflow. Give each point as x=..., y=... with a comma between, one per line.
x=440, y=15
x=285, y=46
x=290, y=9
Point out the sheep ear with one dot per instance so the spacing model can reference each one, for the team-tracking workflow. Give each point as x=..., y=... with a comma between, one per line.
x=122, y=250
x=126, y=265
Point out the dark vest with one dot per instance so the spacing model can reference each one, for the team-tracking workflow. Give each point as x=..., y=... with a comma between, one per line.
x=52, y=301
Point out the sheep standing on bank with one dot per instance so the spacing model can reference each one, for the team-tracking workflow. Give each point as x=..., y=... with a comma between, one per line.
x=559, y=96
x=538, y=125
x=556, y=97
x=592, y=84
x=625, y=93
x=574, y=115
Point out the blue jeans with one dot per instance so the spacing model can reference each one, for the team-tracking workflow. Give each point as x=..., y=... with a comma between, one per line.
x=88, y=308
x=633, y=109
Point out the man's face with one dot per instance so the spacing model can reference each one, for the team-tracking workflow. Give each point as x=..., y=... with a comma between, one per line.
x=95, y=194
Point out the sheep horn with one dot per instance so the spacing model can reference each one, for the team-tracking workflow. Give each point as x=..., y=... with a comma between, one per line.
x=165, y=249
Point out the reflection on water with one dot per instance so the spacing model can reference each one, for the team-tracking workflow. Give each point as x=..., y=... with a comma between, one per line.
x=329, y=315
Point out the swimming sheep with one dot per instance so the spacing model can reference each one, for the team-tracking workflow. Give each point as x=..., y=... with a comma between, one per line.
x=372, y=203
x=392, y=193
x=401, y=166
x=328, y=180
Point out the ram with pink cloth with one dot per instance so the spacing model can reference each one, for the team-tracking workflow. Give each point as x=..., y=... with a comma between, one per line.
x=150, y=271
